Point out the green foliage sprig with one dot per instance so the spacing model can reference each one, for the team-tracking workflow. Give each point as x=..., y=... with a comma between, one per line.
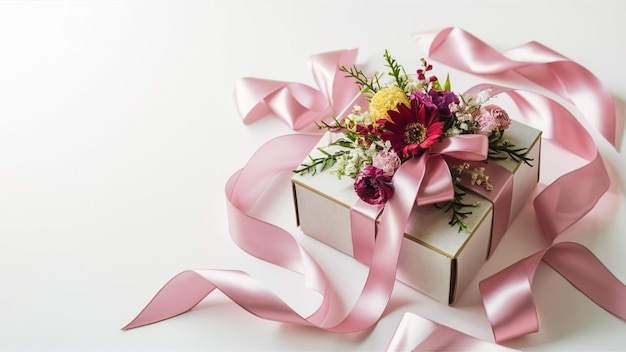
x=397, y=71
x=501, y=149
x=321, y=163
x=366, y=84
x=458, y=209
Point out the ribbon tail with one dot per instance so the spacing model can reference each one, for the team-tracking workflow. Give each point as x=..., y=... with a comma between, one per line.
x=188, y=288
x=585, y=271
x=183, y=292
x=415, y=333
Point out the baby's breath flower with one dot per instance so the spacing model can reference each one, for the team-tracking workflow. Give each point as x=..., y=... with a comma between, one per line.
x=479, y=178
x=482, y=96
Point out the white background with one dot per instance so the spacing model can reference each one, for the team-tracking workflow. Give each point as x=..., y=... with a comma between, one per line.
x=118, y=133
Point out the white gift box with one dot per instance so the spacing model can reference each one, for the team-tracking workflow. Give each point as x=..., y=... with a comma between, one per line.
x=435, y=258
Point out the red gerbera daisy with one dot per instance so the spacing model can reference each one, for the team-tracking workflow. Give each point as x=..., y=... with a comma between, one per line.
x=411, y=130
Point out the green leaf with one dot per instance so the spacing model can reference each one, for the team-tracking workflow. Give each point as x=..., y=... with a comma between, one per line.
x=437, y=86
x=446, y=85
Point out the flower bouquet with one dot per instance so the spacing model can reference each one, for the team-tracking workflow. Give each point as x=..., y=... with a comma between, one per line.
x=404, y=119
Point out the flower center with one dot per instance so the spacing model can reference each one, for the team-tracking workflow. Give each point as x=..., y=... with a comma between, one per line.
x=415, y=133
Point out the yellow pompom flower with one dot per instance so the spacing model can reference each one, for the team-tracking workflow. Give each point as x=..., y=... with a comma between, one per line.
x=386, y=99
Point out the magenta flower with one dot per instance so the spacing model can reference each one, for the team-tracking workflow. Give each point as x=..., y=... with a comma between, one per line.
x=424, y=99
x=440, y=99
x=373, y=186
x=443, y=99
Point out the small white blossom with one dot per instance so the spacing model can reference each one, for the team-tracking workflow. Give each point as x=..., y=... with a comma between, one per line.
x=479, y=178
x=482, y=96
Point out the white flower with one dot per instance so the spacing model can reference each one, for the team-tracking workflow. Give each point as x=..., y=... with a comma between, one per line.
x=482, y=96
x=479, y=178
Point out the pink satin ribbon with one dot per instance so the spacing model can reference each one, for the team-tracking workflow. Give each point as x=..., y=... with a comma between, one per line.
x=363, y=229
x=530, y=62
x=501, y=196
x=299, y=105
x=415, y=333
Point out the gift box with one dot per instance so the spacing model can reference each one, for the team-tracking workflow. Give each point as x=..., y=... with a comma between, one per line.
x=435, y=258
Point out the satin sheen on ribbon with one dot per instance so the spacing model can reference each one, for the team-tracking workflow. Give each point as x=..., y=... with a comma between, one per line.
x=415, y=333
x=546, y=68
x=297, y=104
x=363, y=229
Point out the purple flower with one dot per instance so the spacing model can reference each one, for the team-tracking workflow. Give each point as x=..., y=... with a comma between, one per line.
x=373, y=186
x=424, y=99
x=442, y=100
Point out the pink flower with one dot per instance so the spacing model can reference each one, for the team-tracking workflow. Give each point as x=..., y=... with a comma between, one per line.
x=486, y=123
x=373, y=186
x=387, y=161
x=493, y=118
x=499, y=115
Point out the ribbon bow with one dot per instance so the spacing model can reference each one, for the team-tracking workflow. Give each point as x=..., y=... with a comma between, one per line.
x=437, y=185
x=427, y=176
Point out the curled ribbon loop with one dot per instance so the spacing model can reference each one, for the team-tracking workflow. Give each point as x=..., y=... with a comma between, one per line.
x=508, y=297
x=297, y=104
x=533, y=62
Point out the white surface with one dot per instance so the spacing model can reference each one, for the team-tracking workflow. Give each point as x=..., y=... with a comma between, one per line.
x=118, y=133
